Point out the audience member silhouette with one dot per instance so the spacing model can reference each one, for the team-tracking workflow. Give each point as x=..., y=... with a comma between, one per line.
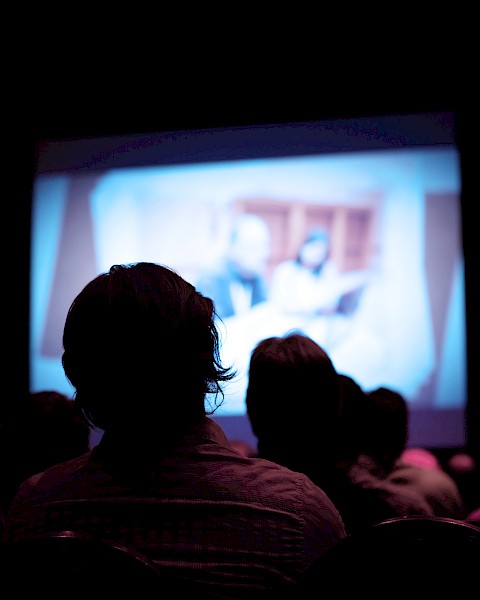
x=296, y=405
x=46, y=429
x=141, y=349
x=384, y=418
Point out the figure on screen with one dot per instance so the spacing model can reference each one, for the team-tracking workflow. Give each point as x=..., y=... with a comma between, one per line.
x=311, y=293
x=311, y=283
x=239, y=283
x=44, y=429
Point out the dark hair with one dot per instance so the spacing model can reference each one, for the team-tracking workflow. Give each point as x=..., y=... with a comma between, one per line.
x=292, y=393
x=46, y=428
x=388, y=424
x=355, y=426
x=141, y=345
x=374, y=422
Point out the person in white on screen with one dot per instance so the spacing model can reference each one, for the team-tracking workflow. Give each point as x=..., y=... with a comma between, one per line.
x=311, y=283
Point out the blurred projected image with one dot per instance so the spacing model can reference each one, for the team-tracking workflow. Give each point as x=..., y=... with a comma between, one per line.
x=362, y=252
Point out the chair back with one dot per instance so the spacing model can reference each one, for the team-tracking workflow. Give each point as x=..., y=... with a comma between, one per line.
x=66, y=564
x=405, y=554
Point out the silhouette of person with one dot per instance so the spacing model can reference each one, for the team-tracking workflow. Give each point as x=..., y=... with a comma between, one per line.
x=305, y=416
x=45, y=429
x=141, y=348
x=385, y=423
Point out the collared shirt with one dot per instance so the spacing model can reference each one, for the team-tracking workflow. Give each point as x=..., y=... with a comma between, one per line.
x=437, y=487
x=409, y=489
x=217, y=517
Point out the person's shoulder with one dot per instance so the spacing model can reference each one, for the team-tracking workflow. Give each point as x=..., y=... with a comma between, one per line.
x=279, y=483
x=49, y=478
x=295, y=493
x=405, y=472
x=398, y=489
x=436, y=479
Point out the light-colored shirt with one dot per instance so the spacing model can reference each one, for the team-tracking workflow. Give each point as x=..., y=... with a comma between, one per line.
x=434, y=487
x=222, y=519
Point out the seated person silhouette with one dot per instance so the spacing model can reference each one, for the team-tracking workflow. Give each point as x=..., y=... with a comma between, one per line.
x=44, y=429
x=385, y=421
x=141, y=349
x=304, y=415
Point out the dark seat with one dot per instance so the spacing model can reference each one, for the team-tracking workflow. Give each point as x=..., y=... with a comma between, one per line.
x=66, y=565
x=405, y=555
